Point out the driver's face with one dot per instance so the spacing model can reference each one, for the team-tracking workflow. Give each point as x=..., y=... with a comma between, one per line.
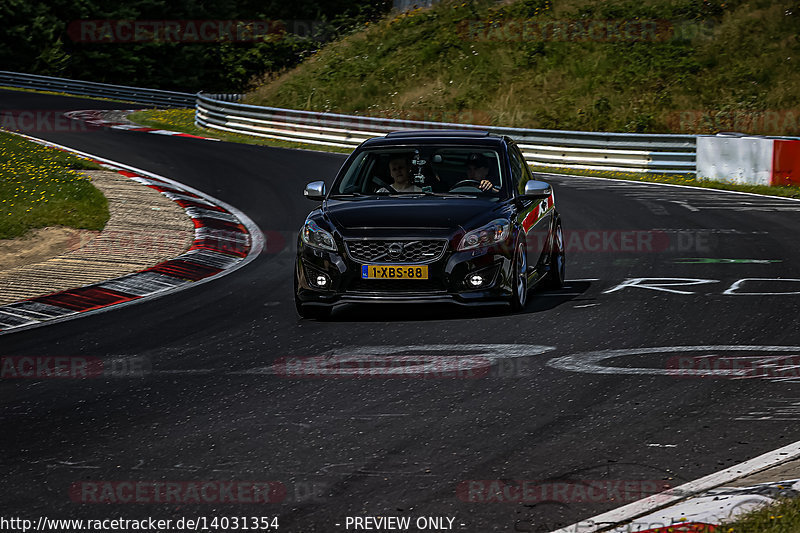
x=477, y=173
x=398, y=168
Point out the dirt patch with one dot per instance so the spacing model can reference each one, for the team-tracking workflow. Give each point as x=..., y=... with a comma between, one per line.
x=144, y=229
x=41, y=244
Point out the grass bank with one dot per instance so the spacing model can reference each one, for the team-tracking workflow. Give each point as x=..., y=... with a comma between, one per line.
x=781, y=518
x=679, y=66
x=41, y=187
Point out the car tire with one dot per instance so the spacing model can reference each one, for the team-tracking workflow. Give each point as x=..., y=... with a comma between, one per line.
x=558, y=260
x=520, y=289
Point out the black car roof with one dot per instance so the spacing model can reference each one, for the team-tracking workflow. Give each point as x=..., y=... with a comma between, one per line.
x=468, y=137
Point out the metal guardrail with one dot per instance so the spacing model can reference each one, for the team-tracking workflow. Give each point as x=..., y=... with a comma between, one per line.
x=631, y=152
x=668, y=154
x=138, y=95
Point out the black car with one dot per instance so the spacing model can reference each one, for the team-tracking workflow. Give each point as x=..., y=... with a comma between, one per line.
x=429, y=216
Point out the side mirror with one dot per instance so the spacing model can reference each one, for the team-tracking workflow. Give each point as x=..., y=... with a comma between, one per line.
x=315, y=190
x=537, y=190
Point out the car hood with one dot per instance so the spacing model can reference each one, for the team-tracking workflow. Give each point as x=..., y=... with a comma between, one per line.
x=417, y=213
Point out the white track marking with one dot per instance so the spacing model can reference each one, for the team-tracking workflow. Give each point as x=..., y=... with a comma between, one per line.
x=670, y=497
x=589, y=362
x=697, y=190
x=396, y=361
x=732, y=290
x=660, y=284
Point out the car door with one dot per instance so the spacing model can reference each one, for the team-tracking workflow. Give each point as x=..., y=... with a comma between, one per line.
x=534, y=217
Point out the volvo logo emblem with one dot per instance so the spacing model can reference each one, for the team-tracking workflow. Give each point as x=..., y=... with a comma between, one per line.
x=395, y=249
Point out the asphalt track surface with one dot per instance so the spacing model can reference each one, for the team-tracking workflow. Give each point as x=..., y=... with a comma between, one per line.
x=384, y=446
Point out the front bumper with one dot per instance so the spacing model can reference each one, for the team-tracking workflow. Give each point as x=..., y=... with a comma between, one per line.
x=446, y=283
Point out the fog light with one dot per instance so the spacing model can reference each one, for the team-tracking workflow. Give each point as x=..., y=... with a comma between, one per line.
x=476, y=280
x=317, y=279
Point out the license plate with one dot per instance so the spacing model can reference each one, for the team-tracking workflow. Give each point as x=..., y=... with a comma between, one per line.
x=394, y=272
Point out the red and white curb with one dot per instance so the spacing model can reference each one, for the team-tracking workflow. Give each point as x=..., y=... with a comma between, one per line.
x=97, y=118
x=225, y=240
x=699, y=506
x=708, y=511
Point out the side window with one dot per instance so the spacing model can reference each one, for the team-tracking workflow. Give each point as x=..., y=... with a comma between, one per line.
x=352, y=177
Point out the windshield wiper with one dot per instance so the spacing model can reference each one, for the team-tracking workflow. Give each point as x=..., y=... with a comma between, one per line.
x=449, y=194
x=349, y=195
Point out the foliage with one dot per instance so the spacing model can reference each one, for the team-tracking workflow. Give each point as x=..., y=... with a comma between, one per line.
x=783, y=517
x=42, y=38
x=41, y=187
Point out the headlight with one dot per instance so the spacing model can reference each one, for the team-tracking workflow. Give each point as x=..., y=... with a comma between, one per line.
x=492, y=233
x=317, y=237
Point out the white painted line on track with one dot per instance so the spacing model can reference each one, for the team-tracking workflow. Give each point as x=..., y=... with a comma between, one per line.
x=615, y=517
x=591, y=362
x=696, y=189
x=397, y=360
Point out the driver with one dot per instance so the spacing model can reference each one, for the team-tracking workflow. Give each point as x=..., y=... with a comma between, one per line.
x=478, y=170
x=400, y=171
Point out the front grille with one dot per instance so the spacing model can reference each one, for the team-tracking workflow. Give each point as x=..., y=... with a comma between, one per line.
x=395, y=251
x=396, y=286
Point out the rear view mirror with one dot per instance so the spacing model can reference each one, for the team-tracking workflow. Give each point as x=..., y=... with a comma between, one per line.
x=537, y=190
x=315, y=190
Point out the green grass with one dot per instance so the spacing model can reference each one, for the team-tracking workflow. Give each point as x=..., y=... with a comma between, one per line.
x=41, y=187
x=183, y=120
x=716, y=65
x=781, y=518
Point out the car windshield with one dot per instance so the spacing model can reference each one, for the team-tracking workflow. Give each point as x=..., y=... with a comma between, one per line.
x=450, y=170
